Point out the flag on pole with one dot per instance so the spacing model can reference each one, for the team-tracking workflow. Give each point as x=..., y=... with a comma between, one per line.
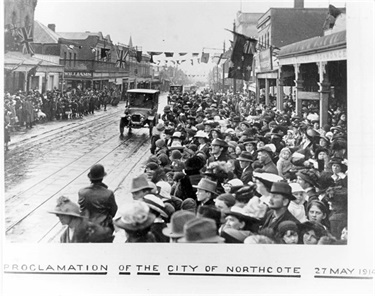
x=25, y=39
x=205, y=57
x=242, y=57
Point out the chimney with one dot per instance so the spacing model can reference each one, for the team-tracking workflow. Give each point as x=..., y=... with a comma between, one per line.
x=299, y=4
x=52, y=27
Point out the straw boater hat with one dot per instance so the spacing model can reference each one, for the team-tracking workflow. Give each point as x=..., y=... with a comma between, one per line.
x=175, y=229
x=66, y=207
x=200, y=230
x=136, y=216
x=201, y=134
x=156, y=204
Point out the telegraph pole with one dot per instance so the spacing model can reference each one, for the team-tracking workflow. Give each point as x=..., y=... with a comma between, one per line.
x=234, y=79
x=223, y=68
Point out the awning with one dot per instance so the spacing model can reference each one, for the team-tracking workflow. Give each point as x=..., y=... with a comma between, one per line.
x=15, y=61
x=312, y=45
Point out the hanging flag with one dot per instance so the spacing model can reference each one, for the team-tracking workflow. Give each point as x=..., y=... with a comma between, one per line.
x=169, y=54
x=205, y=57
x=121, y=57
x=139, y=56
x=242, y=56
x=25, y=39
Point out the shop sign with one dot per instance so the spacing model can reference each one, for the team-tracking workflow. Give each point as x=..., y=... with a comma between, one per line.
x=77, y=74
x=265, y=59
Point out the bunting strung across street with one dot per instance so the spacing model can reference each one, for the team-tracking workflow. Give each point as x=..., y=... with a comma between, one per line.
x=243, y=51
x=152, y=54
x=205, y=57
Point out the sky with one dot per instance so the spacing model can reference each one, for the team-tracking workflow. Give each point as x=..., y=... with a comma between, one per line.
x=172, y=26
x=157, y=25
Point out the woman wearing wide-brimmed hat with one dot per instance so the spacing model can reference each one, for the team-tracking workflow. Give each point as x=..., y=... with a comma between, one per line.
x=136, y=220
x=78, y=228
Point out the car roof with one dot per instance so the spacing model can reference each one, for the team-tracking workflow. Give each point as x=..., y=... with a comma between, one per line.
x=146, y=91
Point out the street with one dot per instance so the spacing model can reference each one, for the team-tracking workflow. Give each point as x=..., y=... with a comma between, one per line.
x=53, y=159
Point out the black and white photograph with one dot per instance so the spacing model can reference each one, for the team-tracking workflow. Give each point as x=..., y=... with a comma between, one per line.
x=188, y=147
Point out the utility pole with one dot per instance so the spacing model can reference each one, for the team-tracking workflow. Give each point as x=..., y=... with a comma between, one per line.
x=234, y=79
x=223, y=68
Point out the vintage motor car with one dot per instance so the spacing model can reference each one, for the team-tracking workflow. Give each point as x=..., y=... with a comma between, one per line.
x=174, y=92
x=141, y=110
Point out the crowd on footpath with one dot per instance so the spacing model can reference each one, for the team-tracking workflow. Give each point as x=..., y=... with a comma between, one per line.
x=226, y=169
x=23, y=110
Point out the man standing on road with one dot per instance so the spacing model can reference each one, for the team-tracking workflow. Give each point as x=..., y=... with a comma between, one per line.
x=96, y=201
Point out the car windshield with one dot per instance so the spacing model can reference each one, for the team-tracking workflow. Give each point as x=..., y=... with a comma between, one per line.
x=141, y=100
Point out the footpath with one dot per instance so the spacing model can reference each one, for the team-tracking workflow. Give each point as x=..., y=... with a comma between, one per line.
x=53, y=127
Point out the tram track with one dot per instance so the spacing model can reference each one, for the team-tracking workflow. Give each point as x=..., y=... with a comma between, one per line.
x=54, y=231
x=56, y=163
x=70, y=127
x=58, y=140
x=28, y=194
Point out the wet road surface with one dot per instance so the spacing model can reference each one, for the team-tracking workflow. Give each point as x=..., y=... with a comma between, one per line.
x=53, y=159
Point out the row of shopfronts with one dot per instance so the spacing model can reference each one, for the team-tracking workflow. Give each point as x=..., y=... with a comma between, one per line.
x=312, y=71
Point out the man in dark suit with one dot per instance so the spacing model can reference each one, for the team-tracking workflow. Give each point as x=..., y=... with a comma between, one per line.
x=245, y=160
x=96, y=201
x=278, y=206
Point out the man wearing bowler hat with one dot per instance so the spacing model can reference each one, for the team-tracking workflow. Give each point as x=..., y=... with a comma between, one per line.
x=278, y=205
x=219, y=151
x=245, y=160
x=96, y=201
x=206, y=192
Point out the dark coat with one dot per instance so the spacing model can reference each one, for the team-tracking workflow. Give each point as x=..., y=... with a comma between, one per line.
x=247, y=175
x=268, y=223
x=98, y=203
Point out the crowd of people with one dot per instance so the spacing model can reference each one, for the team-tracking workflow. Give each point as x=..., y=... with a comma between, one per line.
x=226, y=169
x=25, y=109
